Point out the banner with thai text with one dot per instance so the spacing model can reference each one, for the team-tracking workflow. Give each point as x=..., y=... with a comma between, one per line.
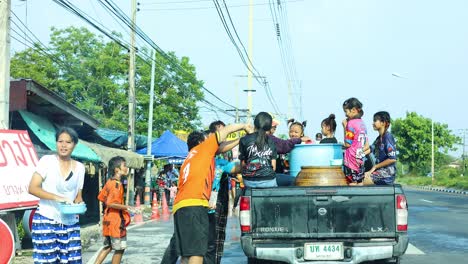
x=18, y=161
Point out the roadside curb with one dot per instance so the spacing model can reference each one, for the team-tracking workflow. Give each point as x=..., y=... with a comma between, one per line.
x=439, y=189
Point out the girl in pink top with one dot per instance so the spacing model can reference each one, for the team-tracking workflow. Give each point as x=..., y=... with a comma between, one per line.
x=355, y=141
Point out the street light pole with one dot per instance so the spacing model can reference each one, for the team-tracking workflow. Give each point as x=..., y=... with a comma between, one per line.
x=432, y=145
x=397, y=75
x=131, y=105
x=149, y=157
x=463, y=157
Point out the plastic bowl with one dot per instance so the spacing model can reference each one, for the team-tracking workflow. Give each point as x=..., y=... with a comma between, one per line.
x=73, y=208
x=336, y=162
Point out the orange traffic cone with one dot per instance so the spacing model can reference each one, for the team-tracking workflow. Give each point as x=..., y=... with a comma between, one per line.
x=138, y=217
x=155, y=208
x=165, y=208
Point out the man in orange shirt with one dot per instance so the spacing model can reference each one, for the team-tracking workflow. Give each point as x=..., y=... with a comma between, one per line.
x=195, y=183
x=116, y=216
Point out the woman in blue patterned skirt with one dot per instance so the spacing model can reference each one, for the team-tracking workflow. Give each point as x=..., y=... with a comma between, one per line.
x=57, y=179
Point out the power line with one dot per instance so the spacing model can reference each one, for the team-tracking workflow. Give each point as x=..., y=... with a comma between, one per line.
x=203, y=8
x=148, y=40
x=175, y=2
x=30, y=43
x=280, y=21
x=242, y=52
x=116, y=11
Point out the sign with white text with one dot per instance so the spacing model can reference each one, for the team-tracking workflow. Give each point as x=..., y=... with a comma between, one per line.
x=18, y=161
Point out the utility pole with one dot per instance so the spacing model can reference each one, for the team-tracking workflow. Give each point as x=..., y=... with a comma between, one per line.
x=249, y=55
x=5, y=8
x=131, y=103
x=236, y=85
x=237, y=110
x=149, y=156
x=290, y=115
x=5, y=11
x=300, y=101
x=250, y=91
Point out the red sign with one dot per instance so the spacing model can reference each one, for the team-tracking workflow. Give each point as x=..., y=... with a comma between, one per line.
x=18, y=161
x=7, y=250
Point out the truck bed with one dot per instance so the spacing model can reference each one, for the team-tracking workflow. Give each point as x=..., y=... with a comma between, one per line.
x=323, y=212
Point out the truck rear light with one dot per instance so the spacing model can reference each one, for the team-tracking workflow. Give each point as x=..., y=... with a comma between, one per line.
x=401, y=213
x=244, y=214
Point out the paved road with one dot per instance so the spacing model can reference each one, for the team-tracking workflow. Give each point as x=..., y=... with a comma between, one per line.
x=438, y=226
x=438, y=229
x=146, y=243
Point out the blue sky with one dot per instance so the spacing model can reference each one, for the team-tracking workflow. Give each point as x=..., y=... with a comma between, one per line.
x=342, y=49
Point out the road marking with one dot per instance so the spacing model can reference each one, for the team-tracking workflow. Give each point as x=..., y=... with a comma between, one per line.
x=412, y=250
x=427, y=201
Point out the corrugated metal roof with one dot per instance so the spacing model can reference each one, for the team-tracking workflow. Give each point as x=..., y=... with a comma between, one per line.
x=132, y=159
x=120, y=138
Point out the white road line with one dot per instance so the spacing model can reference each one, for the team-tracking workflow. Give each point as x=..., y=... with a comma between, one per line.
x=427, y=201
x=412, y=250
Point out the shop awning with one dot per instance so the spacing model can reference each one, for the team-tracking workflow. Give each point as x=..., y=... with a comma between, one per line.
x=45, y=131
x=132, y=159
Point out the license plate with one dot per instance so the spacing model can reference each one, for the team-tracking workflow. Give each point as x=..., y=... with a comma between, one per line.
x=323, y=251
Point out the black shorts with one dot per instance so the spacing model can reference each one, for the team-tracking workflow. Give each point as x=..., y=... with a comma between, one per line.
x=352, y=175
x=191, y=231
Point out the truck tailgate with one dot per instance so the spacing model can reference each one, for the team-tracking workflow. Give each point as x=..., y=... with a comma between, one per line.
x=323, y=212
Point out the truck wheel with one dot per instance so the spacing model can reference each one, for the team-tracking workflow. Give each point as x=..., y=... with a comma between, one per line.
x=253, y=261
x=394, y=260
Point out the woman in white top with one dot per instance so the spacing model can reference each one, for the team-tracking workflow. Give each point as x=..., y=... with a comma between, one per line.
x=58, y=178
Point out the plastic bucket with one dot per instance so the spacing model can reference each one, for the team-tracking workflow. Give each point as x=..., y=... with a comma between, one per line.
x=313, y=155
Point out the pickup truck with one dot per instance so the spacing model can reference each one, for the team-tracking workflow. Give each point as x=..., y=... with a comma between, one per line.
x=329, y=224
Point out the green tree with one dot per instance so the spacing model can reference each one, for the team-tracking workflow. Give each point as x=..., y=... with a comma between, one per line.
x=176, y=94
x=92, y=74
x=414, y=142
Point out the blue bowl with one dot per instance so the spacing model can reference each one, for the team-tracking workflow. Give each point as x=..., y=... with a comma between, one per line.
x=73, y=208
x=313, y=155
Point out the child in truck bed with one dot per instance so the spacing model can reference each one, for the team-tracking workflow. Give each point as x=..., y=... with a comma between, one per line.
x=355, y=141
x=384, y=149
x=257, y=153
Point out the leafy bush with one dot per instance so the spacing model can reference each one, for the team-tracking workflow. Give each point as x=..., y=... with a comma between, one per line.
x=19, y=226
x=449, y=178
x=448, y=173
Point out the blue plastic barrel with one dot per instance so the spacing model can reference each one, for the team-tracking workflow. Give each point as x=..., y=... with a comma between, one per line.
x=313, y=155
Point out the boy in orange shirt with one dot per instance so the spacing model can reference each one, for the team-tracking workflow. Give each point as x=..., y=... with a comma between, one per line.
x=116, y=216
x=195, y=183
